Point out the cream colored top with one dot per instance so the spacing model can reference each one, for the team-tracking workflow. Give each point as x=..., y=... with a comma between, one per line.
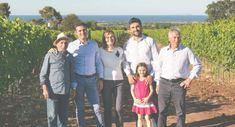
x=113, y=62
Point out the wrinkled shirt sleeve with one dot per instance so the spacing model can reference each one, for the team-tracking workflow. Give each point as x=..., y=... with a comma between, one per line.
x=158, y=67
x=154, y=57
x=73, y=80
x=44, y=74
x=99, y=64
x=194, y=73
x=127, y=68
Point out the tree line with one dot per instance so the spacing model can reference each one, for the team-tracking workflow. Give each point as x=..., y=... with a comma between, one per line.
x=51, y=18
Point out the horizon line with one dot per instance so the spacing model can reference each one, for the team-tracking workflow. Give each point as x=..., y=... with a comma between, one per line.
x=118, y=15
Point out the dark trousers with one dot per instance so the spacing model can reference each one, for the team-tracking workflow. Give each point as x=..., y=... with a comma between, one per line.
x=57, y=110
x=113, y=92
x=154, y=116
x=171, y=91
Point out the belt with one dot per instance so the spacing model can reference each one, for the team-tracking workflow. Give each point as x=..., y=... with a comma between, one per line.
x=86, y=76
x=173, y=80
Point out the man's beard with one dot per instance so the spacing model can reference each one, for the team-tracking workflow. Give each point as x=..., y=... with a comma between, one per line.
x=137, y=34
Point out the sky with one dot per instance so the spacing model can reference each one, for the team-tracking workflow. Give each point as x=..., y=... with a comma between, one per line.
x=111, y=7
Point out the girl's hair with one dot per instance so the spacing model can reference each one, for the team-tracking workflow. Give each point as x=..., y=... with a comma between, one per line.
x=141, y=65
x=104, y=43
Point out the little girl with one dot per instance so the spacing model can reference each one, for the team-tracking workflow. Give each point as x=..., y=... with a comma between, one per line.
x=141, y=92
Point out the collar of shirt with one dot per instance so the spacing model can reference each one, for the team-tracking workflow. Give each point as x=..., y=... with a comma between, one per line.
x=59, y=53
x=86, y=42
x=139, y=39
x=180, y=46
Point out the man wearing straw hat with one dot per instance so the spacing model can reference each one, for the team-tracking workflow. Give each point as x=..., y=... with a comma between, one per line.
x=56, y=77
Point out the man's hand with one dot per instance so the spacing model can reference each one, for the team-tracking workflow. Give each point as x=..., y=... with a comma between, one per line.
x=45, y=91
x=52, y=50
x=100, y=85
x=74, y=93
x=149, y=79
x=131, y=79
x=157, y=87
x=186, y=83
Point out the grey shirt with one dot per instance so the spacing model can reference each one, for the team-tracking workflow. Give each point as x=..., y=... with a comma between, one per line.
x=57, y=72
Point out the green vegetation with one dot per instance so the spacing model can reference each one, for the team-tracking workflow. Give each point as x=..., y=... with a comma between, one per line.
x=215, y=41
x=23, y=46
x=221, y=9
x=159, y=35
x=92, y=25
x=4, y=10
x=69, y=22
x=51, y=16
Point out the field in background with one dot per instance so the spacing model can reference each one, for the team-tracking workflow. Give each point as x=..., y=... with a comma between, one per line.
x=23, y=46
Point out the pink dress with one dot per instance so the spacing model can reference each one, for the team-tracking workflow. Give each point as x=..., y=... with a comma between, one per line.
x=142, y=90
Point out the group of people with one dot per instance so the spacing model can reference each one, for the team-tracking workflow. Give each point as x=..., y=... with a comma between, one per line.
x=83, y=69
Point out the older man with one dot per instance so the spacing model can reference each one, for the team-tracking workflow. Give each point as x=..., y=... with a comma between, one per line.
x=88, y=67
x=174, y=77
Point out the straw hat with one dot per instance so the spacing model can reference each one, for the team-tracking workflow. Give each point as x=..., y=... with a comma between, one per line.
x=61, y=36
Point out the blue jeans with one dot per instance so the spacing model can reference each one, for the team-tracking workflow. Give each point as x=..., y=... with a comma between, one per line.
x=87, y=85
x=171, y=91
x=57, y=110
x=113, y=92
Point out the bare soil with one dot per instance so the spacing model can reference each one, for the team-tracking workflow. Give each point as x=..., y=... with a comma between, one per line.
x=208, y=105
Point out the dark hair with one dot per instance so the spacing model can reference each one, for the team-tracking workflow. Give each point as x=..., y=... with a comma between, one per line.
x=133, y=20
x=80, y=24
x=142, y=64
x=104, y=44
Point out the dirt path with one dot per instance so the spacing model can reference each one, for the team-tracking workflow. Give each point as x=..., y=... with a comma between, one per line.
x=208, y=105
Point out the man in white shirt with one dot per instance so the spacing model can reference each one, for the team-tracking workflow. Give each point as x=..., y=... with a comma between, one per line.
x=140, y=48
x=174, y=77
